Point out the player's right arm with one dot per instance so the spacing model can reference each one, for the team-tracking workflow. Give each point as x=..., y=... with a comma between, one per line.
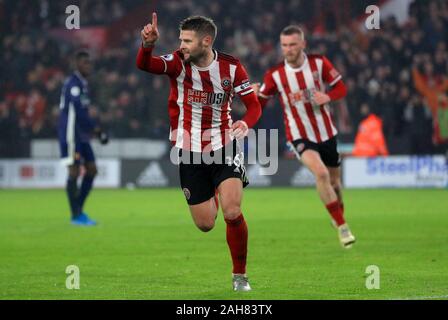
x=266, y=90
x=168, y=64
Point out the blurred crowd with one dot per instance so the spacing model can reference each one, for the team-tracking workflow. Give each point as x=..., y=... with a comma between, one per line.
x=378, y=66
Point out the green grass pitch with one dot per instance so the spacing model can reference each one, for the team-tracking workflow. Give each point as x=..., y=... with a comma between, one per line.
x=146, y=246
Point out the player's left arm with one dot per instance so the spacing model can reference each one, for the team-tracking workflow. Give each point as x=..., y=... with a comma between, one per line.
x=247, y=95
x=332, y=77
x=266, y=90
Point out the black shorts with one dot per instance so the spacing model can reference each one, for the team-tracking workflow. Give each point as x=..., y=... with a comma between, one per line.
x=328, y=150
x=199, y=177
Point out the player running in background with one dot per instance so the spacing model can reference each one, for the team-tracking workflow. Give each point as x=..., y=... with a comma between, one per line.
x=203, y=83
x=299, y=80
x=75, y=129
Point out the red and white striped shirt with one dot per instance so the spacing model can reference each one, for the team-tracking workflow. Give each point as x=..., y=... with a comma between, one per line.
x=200, y=99
x=303, y=120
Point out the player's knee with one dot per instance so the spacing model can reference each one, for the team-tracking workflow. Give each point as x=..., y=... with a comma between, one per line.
x=206, y=226
x=231, y=211
x=73, y=175
x=92, y=171
x=323, y=175
x=336, y=184
x=73, y=172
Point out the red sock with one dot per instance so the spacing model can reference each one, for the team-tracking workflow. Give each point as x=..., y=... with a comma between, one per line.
x=237, y=240
x=335, y=210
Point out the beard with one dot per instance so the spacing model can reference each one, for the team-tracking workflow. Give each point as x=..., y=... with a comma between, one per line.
x=293, y=58
x=195, y=57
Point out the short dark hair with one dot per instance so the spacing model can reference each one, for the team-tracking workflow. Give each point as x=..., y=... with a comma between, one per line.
x=293, y=29
x=200, y=24
x=81, y=54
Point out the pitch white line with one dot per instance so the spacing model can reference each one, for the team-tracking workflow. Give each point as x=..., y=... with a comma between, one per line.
x=422, y=298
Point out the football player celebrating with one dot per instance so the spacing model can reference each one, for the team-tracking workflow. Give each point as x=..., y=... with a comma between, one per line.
x=300, y=82
x=203, y=84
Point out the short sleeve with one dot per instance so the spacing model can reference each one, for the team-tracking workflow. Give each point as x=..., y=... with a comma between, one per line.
x=268, y=88
x=241, y=84
x=329, y=73
x=172, y=63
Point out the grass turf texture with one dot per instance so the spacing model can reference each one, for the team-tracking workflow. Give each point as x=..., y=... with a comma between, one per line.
x=146, y=246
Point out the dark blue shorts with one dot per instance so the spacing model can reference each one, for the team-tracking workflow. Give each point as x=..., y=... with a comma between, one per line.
x=80, y=152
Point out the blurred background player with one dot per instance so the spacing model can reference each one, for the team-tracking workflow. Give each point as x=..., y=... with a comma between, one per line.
x=310, y=132
x=203, y=82
x=75, y=130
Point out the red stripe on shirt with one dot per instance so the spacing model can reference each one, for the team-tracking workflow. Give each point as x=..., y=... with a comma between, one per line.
x=224, y=73
x=188, y=84
x=325, y=115
x=207, y=113
x=294, y=112
x=173, y=109
x=308, y=107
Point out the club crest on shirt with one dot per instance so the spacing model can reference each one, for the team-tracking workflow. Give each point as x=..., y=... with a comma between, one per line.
x=316, y=76
x=225, y=83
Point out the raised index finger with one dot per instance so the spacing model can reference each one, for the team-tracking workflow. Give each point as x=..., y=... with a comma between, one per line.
x=154, y=20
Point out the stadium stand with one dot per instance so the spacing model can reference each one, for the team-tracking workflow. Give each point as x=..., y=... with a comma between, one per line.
x=380, y=67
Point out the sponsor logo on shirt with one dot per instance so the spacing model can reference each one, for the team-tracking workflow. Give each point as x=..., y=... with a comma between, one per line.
x=305, y=96
x=207, y=98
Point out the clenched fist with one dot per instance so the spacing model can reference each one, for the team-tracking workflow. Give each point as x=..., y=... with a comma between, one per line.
x=239, y=129
x=320, y=98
